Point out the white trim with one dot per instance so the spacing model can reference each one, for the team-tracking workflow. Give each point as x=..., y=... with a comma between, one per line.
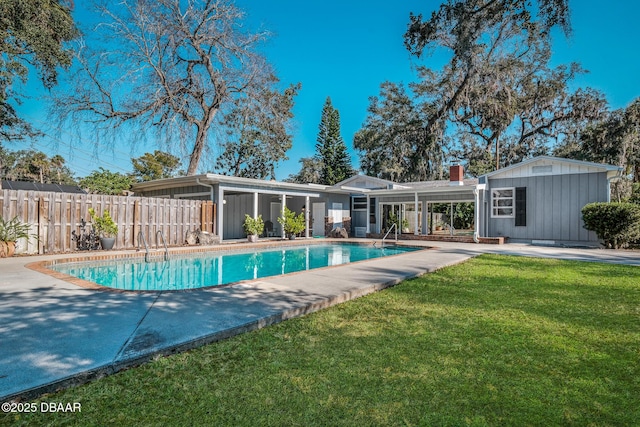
x=186, y=195
x=274, y=192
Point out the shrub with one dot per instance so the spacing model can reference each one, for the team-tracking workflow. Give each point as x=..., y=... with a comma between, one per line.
x=292, y=223
x=253, y=226
x=615, y=223
x=103, y=225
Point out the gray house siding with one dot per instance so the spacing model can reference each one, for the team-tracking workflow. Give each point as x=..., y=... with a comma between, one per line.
x=553, y=205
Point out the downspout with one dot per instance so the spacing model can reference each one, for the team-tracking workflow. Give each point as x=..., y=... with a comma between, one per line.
x=476, y=215
x=206, y=185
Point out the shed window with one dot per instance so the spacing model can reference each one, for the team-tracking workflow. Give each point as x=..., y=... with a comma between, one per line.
x=503, y=203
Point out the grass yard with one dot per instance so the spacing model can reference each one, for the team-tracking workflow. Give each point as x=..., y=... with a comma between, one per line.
x=495, y=341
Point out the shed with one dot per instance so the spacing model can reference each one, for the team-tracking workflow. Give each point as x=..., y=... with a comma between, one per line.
x=540, y=200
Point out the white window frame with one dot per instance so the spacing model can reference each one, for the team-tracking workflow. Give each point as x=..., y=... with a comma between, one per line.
x=361, y=200
x=496, y=199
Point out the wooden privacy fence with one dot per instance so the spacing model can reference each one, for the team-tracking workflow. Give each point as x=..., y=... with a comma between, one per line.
x=53, y=216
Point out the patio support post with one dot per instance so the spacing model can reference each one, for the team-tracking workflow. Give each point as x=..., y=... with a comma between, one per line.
x=368, y=220
x=306, y=220
x=476, y=215
x=451, y=220
x=220, y=211
x=255, y=205
x=415, y=199
x=283, y=206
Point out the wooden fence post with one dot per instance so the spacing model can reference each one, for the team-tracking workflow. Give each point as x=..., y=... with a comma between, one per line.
x=41, y=224
x=136, y=222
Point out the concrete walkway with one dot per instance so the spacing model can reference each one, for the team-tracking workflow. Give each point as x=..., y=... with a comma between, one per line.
x=54, y=334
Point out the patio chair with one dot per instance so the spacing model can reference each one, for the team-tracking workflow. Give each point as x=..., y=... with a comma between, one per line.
x=268, y=229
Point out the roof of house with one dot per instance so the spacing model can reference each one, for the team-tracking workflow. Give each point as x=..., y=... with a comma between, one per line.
x=549, y=165
x=228, y=181
x=36, y=186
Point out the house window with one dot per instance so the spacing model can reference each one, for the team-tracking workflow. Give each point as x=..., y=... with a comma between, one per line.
x=359, y=203
x=502, y=202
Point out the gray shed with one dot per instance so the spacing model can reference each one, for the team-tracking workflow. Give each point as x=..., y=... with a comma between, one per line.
x=540, y=200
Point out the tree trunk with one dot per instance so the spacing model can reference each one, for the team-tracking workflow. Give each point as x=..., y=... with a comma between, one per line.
x=201, y=139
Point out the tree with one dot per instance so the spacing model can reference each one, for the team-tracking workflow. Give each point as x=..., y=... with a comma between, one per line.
x=258, y=137
x=34, y=34
x=309, y=171
x=34, y=166
x=615, y=140
x=176, y=65
x=106, y=182
x=497, y=87
x=393, y=143
x=331, y=149
x=155, y=166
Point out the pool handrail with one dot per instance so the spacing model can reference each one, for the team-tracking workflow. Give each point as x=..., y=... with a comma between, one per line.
x=394, y=225
x=164, y=242
x=146, y=247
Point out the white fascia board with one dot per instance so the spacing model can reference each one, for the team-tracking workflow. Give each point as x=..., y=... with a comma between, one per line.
x=425, y=190
x=268, y=191
x=355, y=189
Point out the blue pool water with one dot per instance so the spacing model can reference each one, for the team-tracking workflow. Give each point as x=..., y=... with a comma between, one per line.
x=219, y=268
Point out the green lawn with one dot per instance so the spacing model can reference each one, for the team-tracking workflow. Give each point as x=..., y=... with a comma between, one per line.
x=495, y=341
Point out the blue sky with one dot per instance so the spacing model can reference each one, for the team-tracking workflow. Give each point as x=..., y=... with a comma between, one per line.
x=346, y=49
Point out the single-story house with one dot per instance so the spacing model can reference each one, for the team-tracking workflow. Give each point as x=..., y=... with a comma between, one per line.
x=537, y=200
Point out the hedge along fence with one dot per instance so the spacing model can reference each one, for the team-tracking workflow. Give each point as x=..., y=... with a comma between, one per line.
x=53, y=216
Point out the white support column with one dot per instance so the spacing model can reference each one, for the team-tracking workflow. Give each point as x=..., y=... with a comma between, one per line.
x=283, y=204
x=255, y=205
x=220, y=212
x=307, y=206
x=368, y=214
x=476, y=216
x=415, y=200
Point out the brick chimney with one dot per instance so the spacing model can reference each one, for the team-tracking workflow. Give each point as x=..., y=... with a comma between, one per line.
x=456, y=175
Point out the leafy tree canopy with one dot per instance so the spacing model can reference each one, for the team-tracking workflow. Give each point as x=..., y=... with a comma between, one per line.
x=156, y=165
x=258, y=135
x=34, y=34
x=309, y=171
x=103, y=181
x=34, y=166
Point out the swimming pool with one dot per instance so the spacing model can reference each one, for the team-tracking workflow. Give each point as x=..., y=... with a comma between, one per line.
x=220, y=268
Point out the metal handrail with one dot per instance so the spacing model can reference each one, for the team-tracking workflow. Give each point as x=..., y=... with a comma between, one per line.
x=164, y=242
x=146, y=247
x=451, y=228
x=394, y=225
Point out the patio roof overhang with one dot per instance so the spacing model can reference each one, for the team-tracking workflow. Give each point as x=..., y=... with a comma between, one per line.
x=233, y=184
x=430, y=190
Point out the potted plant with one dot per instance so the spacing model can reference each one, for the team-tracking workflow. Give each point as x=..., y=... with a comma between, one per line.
x=292, y=223
x=402, y=225
x=105, y=227
x=10, y=232
x=253, y=227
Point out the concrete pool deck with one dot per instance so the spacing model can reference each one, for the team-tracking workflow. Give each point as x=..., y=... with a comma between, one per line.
x=54, y=334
